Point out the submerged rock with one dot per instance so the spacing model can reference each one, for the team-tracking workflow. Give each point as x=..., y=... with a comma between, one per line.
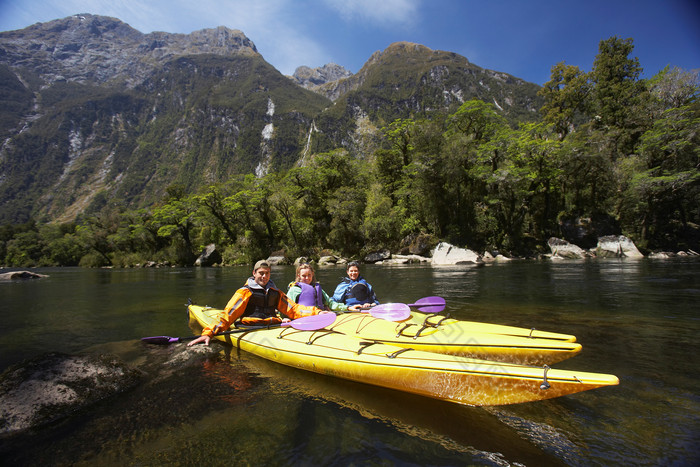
x=6, y=276
x=54, y=385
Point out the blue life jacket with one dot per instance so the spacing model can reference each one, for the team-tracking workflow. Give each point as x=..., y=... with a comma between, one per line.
x=355, y=292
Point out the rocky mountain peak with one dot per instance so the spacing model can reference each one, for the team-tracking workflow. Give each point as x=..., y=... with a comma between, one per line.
x=92, y=48
x=312, y=78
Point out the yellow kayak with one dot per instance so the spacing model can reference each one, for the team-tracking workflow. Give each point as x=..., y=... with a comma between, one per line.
x=490, y=328
x=455, y=338
x=447, y=377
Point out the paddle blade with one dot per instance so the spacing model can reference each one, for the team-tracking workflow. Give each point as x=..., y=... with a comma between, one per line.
x=313, y=322
x=391, y=311
x=431, y=309
x=160, y=340
x=429, y=301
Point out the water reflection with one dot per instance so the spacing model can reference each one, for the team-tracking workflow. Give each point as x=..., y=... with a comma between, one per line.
x=636, y=319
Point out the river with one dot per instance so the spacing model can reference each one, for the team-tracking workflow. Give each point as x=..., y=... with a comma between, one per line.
x=637, y=319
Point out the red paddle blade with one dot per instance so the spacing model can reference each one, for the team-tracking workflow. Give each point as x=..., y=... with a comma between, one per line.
x=313, y=322
x=391, y=311
x=429, y=301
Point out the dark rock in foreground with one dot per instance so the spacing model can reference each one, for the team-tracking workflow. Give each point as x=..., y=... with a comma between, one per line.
x=54, y=385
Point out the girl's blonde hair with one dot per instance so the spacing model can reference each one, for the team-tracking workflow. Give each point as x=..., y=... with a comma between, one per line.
x=306, y=266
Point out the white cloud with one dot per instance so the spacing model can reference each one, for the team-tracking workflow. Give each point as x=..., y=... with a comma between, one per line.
x=381, y=12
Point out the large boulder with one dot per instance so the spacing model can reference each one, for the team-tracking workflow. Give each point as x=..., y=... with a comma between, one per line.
x=445, y=254
x=563, y=249
x=377, y=256
x=209, y=256
x=276, y=259
x=617, y=246
x=585, y=231
x=54, y=385
x=329, y=260
x=6, y=276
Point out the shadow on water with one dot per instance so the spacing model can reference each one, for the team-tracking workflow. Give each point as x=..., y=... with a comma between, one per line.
x=217, y=405
x=637, y=320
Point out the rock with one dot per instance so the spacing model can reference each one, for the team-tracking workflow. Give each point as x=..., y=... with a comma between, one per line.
x=277, y=260
x=446, y=254
x=663, y=254
x=422, y=244
x=54, y=385
x=377, y=256
x=209, y=256
x=407, y=259
x=563, y=249
x=617, y=246
x=585, y=231
x=6, y=276
x=327, y=260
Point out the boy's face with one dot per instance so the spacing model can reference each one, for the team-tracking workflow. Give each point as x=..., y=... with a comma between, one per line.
x=261, y=276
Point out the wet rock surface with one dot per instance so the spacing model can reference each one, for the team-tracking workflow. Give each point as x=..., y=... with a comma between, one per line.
x=54, y=385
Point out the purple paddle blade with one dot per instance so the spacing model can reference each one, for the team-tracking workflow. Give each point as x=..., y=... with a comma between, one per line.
x=431, y=309
x=429, y=301
x=313, y=322
x=391, y=311
x=160, y=340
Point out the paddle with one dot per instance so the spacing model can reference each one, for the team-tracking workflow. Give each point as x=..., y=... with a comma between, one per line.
x=307, y=323
x=390, y=311
x=429, y=304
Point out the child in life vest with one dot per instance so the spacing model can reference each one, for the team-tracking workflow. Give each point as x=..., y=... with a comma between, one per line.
x=306, y=291
x=354, y=289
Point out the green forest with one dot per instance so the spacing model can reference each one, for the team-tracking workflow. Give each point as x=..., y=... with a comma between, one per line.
x=607, y=144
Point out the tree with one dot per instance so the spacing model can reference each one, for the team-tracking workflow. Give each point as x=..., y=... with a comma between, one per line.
x=565, y=95
x=618, y=95
x=177, y=218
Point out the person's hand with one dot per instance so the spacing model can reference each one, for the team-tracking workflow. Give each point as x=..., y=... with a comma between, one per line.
x=354, y=308
x=204, y=339
x=286, y=320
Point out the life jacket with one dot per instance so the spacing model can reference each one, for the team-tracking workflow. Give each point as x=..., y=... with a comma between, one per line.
x=311, y=295
x=262, y=303
x=357, y=292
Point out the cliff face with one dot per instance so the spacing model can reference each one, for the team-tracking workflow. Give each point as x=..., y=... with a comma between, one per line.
x=97, y=49
x=97, y=113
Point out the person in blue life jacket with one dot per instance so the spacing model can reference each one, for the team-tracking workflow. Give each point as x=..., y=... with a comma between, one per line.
x=354, y=289
x=306, y=291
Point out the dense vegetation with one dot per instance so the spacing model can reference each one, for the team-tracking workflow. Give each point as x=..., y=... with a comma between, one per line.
x=608, y=145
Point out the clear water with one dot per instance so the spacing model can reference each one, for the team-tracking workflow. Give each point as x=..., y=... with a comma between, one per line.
x=639, y=320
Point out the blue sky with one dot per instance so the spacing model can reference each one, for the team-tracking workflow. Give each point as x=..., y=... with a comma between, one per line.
x=522, y=37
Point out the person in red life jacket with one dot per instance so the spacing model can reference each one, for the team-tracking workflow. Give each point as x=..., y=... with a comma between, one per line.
x=256, y=303
x=354, y=289
x=306, y=291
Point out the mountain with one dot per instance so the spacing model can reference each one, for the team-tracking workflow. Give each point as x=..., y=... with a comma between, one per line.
x=95, y=112
x=314, y=78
